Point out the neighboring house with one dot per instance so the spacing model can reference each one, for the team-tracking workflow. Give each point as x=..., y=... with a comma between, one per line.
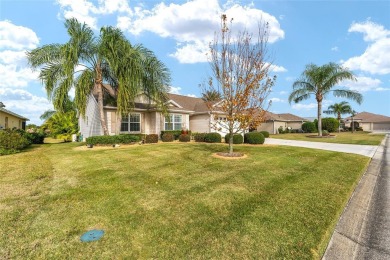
x=274, y=121
x=10, y=119
x=369, y=122
x=183, y=113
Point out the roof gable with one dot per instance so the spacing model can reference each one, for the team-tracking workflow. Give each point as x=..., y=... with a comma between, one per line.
x=2, y=109
x=369, y=117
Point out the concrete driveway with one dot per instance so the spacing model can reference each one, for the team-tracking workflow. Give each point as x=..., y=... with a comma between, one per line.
x=366, y=150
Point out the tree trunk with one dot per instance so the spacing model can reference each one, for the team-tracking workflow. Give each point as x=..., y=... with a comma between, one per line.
x=101, y=110
x=231, y=143
x=118, y=122
x=319, y=118
x=339, y=125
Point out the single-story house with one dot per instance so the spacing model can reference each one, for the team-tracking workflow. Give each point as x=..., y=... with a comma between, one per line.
x=10, y=119
x=184, y=113
x=369, y=122
x=274, y=121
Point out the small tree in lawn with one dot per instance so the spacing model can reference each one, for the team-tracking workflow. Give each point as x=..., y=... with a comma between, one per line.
x=240, y=70
x=339, y=109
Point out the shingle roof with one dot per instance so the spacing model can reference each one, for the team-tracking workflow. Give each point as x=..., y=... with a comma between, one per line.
x=282, y=117
x=12, y=113
x=369, y=117
x=194, y=104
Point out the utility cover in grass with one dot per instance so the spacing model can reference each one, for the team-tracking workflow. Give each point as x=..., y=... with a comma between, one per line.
x=92, y=235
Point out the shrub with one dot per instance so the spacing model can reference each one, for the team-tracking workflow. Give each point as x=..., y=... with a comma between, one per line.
x=325, y=133
x=167, y=137
x=212, y=138
x=184, y=138
x=330, y=124
x=309, y=127
x=35, y=137
x=254, y=138
x=175, y=133
x=112, y=139
x=199, y=137
x=152, y=138
x=265, y=133
x=237, y=139
x=12, y=141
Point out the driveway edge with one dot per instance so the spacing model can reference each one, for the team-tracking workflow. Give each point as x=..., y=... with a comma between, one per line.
x=348, y=238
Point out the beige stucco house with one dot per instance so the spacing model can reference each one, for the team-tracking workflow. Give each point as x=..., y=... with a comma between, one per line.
x=369, y=122
x=274, y=121
x=9, y=119
x=183, y=113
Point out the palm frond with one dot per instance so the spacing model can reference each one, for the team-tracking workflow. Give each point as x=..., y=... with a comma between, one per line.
x=350, y=94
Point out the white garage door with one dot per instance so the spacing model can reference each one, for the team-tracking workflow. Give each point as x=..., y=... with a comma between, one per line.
x=382, y=126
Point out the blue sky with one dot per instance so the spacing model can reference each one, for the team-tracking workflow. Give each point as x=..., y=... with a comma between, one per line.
x=355, y=34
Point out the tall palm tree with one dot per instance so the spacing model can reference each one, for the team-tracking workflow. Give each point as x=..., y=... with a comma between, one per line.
x=108, y=64
x=339, y=109
x=319, y=81
x=211, y=96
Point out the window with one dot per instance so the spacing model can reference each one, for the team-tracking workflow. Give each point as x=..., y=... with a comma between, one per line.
x=173, y=122
x=131, y=123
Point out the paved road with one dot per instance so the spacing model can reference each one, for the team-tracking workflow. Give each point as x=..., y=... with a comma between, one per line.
x=363, y=230
x=366, y=150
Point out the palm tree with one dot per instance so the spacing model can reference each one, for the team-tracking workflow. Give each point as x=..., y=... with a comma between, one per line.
x=211, y=96
x=339, y=109
x=319, y=81
x=108, y=64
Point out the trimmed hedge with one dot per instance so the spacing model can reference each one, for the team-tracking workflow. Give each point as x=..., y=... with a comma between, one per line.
x=330, y=124
x=167, y=137
x=309, y=127
x=212, y=138
x=152, y=138
x=112, y=139
x=237, y=138
x=12, y=141
x=265, y=133
x=184, y=138
x=254, y=138
x=325, y=133
x=175, y=133
x=199, y=137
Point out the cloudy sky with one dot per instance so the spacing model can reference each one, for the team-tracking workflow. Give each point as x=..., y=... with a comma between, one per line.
x=355, y=34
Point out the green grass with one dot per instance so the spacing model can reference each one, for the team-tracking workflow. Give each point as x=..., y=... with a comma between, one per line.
x=172, y=201
x=343, y=138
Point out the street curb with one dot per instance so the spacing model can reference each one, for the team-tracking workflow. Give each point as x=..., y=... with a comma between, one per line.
x=348, y=238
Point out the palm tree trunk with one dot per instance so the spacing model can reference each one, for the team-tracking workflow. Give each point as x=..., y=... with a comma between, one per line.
x=319, y=113
x=101, y=110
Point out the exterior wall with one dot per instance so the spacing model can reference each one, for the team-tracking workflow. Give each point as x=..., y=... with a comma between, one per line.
x=279, y=124
x=267, y=126
x=10, y=121
x=199, y=123
x=294, y=125
x=90, y=125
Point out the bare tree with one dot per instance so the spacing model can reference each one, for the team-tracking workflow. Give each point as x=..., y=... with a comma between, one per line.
x=240, y=68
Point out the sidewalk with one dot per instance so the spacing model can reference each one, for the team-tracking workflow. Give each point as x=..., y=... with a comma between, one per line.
x=364, y=227
x=366, y=150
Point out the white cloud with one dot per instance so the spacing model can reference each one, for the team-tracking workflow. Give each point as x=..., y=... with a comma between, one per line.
x=311, y=106
x=335, y=48
x=277, y=100
x=174, y=90
x=16, y=37
x=364, y=84
x=14, y=76
x=276, y=68
x=376, y=58
x=283, y=92
x=191, y=95
x=193, y=23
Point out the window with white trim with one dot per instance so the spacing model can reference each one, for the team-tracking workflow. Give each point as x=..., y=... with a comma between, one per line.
x=131, y=123
x=173, y=122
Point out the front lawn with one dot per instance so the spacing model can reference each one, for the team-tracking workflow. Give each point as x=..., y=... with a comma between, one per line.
x=172, y=201
x=342, y=138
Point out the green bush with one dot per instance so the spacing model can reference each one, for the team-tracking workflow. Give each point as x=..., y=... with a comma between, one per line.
x=12, y=141
x=265, y=133
x=212, y=138
x=309, y=127
x=254, y=138
x=175, y=133
x=185, y=138
x=112, y=139
x=325, y=133
x=167, y=137
x=237, y=139
x=199, y=137
x=35, y=138
x=152, y=138
x=330, y=124
x=281, y=131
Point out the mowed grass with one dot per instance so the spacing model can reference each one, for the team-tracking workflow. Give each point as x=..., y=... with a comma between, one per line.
x=363, y=138
x=172, y=201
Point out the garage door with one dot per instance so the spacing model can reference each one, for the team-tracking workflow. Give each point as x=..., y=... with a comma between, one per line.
x=382, y=126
